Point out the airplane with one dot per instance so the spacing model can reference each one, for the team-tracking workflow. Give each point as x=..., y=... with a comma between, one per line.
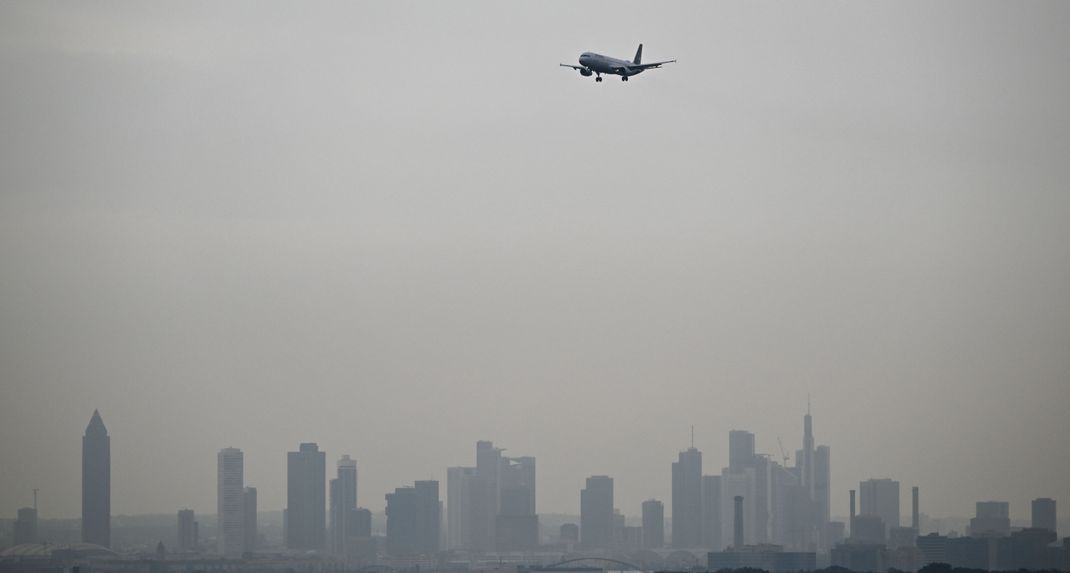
x=597, y=64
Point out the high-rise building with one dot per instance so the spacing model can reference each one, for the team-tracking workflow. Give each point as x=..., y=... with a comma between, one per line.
x=249, y=513
x=711, y=512
x=230, y=501
x=740, y=449
x=517, y=525
x=823, y=484
x=492, y=505
x=1044, y=514
x=343, y=501
x=653, y=524
x=412, y=519
x=306, y=498
x=596, y=512
x=459, y=506
x=741, y=483
x=25, y=526
x=992, y=519
x=687, y=499
x=880, y=498
x=96, y=483
x=486, y=496
x=187, y=531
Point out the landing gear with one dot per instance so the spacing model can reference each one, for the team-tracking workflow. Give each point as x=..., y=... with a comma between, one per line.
x=624, y=78
x=598, y=79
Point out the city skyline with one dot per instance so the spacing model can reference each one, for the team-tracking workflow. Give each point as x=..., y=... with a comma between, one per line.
x=265, y=224
x=741, y=444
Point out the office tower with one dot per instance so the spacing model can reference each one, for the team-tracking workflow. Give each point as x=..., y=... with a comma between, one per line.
x=96, y=483
x=249, y=514
x=412, y=520
x=596, y=512
x=343, y=501
x=25, y=526
x=569, y=533
x=740, y=449
x=992, y=519
x=737, y=483
x=742, y=458
x=187, y=531
x=459, y=488
x=230, y=501
x=517, y=525
x=823, y=484
x=687, y=499
x=915, y=518
x=306, y=498
x=1044, y=514
x=711, y=512
x=737, y=523
x=808, y=452
x=485, y=496
x=880, y=498
x=653, y=524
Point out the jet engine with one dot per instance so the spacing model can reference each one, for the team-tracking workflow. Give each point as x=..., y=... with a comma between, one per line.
x=586, y=73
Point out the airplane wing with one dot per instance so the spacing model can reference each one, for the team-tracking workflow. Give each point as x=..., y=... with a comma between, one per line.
x=572, y=66
x=650, y=65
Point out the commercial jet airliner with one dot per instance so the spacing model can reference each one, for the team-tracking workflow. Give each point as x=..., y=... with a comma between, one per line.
x=597, y=64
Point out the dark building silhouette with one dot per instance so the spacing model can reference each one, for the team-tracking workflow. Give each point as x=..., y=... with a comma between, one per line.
x=596, y=512
x=711, y=512
x=687, y=499
x=306, y=498
x=517, y=525
x=187, y=531
x=25, y=526
x=1044, y=514
x=569, y=533
x=992, y=519
x=737, y=529
x=230, y=502
x=96, y=483
x=343, y=500
x=249, y=513
x=412, y=519
x=653, y=524
x=880, y=498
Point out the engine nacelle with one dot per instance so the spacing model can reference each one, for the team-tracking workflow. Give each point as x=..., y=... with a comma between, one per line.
x=586, y=73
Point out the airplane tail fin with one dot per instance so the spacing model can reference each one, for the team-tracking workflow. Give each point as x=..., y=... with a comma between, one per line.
x=638, y=55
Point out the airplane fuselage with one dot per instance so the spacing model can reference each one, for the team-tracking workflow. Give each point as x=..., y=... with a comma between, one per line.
x=607, y=65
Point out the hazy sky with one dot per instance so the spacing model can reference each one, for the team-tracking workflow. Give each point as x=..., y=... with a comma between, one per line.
x=397, y=228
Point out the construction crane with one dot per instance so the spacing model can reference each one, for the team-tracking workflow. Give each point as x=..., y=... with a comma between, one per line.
x=783, y=453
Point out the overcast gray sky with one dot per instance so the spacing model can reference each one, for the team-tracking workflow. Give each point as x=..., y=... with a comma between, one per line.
x=395, y=228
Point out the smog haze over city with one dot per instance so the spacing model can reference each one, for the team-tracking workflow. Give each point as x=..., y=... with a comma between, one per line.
x=397, y=228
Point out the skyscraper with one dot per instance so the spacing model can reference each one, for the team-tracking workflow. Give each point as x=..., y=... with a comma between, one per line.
x=880, y=498
x=306, y=498
x=596, y=512
x=187, y=531
x=249, y=511
x=740, y=449
x=1044, y=513
x=653, y=524
x=711, y=512
x=96, y=483
x=412, y=519
x=823, y=485
x=230, y=501
x=459, y=488
x=687, y=499
x=343, y=501
x=517, y=525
